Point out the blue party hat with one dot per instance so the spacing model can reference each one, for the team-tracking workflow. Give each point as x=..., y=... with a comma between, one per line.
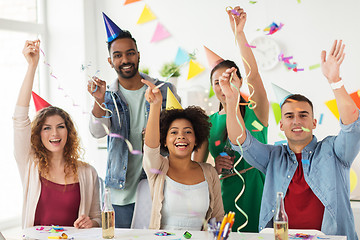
x=112, y=30
x=281, y=94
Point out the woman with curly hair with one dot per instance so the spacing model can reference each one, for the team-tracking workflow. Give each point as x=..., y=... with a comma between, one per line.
x=176, y=181
x=58, y=188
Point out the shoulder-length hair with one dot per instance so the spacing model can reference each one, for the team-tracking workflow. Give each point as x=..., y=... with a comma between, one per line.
x=72, y=149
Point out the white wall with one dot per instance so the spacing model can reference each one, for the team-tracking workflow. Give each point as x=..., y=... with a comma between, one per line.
x=80, y=38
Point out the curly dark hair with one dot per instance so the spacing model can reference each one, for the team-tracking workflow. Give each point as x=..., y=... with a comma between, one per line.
x=194, y=114
x=72, y=149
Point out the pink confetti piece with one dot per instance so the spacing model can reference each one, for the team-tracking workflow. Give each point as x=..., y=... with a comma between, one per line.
x=250, y=46
x=233, y=11
x=155, y=171
x=217, y=143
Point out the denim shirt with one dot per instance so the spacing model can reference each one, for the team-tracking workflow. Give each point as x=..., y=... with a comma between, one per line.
x=326, y=166
x=117, y=148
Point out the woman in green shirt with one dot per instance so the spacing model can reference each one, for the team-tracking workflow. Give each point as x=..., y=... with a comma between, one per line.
x=256, y=121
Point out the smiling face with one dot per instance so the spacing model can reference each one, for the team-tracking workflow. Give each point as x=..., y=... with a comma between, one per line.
x=216, y=86
x=124, y=57
x=297, y=122
x=180, y=139
x=54, y=134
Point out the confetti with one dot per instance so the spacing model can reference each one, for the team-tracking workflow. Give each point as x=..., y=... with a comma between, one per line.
x=305, y=129
x=312, y=67
x=288, y=64
x=257, y=125
x=155, y=171
x=217, y=143
x=223, y=154
x=305, y=161
x=233, y=11
x=321, y=118
x=250, y=46
x=164, y=234
x=280, y=142
x=273, y=28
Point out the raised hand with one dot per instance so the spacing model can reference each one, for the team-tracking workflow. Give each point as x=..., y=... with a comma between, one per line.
x=330, y=65
x=97, y=88
x=237, y=18
x=31, y=52
x=230, y=92
x=152, y=94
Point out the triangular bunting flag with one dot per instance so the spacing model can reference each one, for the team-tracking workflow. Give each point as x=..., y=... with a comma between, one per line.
x=181, y=57
x=211, y=92
x=333, y=108
x=280, y=93
x=277, y=111
x=171, y=101
x=39, y=102
x=195, y=68
x=331, y=104
x=160, y=33
x=146, y=15
x=130, y=1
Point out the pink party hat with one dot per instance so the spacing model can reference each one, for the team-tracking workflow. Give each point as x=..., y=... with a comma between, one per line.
x=212, y=58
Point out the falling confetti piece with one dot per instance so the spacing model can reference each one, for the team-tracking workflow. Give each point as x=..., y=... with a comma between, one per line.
x=273, y=28
x=321, y=118
x=305, y=129
x=250, y=46
x=217, y=143
x=280, y=142
x=257, y=125
x=155, y=171
x=312, y=67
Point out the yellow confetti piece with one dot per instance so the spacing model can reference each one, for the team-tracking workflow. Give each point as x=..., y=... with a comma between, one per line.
x=257, y=125
x=305, y=129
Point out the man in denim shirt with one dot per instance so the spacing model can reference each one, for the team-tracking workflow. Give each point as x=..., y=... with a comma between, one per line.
x=125, y=119
x=314, y=175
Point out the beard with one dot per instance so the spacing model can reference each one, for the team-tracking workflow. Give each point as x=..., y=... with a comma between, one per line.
x=128, y=74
